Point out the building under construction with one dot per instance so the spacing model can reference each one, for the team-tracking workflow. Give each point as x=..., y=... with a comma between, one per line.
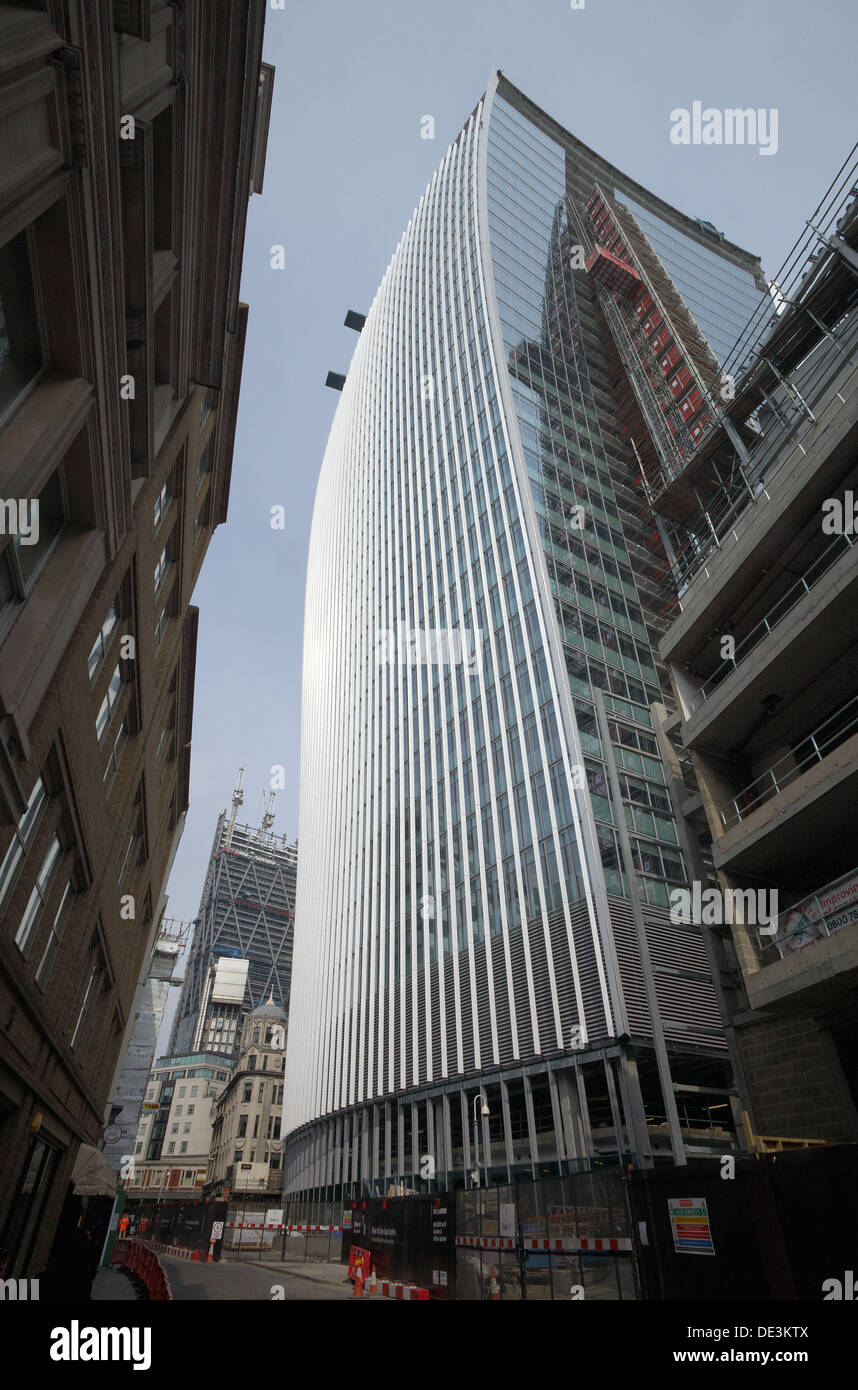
x=749, y=474
x=241, y=953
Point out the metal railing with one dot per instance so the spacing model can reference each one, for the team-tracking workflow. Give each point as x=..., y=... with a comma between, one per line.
x=776, y=614
x=800, y=268
x=821, y=914
x=704, y=535
x=823, y=740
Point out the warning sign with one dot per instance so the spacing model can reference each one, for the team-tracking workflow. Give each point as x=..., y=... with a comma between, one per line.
x=689, y=1222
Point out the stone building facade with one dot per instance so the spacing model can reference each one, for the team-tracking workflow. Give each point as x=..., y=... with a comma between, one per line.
x=245, y=1158
x=132, y=135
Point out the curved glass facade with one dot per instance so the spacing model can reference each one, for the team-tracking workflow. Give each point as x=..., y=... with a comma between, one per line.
x=477, y=724
x=721, y=296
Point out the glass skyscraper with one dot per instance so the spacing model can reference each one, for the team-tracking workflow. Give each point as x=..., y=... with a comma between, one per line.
x=241, y=952
x=488, y=838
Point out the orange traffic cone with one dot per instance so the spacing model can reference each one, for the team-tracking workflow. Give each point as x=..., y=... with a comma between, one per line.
x=372, y=1287
x=494, y=1291
x=357, y=1291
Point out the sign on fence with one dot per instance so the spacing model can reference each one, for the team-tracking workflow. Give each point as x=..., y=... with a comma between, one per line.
x=689, y=1222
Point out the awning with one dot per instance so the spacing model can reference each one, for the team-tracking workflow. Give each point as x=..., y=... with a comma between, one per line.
x=93, y=1175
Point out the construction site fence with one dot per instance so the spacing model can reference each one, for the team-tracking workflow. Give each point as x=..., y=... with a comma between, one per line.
x=307, y=1231
x=552, y=1239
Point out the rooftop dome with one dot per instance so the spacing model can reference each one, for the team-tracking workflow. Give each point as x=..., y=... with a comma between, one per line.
x=269, y=1010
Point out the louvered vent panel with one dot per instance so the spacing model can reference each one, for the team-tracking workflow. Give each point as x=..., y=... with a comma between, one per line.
x=450, y=1016
x=468, y=1061
x=409, y=1036
x=421, y=1027
x=588, y=970
x=541, y=986
x=483, y=1007
x=502, y=1009
x=522, y=1003
x=563, y=977
x=398, y=1079
x=631, y=975
x=436, y=1022
x=683, y=1000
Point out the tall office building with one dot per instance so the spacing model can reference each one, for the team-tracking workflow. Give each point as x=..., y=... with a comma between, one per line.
x=241, y=953
x=132, y=1073
x=130, y=139
x=486, y=970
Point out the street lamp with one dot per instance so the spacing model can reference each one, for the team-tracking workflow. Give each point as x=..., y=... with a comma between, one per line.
x=485, y=1111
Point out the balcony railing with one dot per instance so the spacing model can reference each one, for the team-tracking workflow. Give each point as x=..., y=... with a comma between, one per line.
x=823, y=740
x=776, y=614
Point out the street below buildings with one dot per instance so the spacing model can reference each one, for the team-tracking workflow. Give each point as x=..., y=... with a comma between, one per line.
x=192, y=1280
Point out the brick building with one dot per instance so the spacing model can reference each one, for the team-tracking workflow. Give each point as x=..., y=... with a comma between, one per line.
x=132, y=137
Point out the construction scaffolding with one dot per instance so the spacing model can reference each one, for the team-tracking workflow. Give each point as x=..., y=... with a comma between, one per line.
x=714, y=430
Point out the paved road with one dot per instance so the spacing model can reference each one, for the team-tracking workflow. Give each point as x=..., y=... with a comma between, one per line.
x=194, y=1280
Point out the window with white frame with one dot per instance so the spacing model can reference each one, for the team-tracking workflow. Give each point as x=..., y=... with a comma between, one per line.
x=130, y=855
x=162, y=624
x=49, y=955
x=163, y=563
x=39, y=895
x=23, y=834
x=31, y=535
x=102, y=641
x=86, y=1016
x=206, y=404
x=109, y=703
x=166, y=739
x=162, y=502
x=116, y=752
x=204, y=463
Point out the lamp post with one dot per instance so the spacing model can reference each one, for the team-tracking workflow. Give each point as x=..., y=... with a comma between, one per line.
x=485, y=1111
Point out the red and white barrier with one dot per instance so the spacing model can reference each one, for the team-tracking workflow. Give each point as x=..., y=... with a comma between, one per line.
x=271, y=1226
x=487, y=1242
x=603, y=1244
x=137, y=1256
x=406, y=1293
x=177, y=1251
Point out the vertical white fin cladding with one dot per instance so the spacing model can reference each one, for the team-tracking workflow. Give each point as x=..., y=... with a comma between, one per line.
x=433, y=796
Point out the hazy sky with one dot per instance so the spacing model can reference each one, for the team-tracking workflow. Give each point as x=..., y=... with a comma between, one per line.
x=346, y=166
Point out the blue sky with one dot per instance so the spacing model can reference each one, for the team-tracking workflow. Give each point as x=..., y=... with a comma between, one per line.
x=346, y=165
